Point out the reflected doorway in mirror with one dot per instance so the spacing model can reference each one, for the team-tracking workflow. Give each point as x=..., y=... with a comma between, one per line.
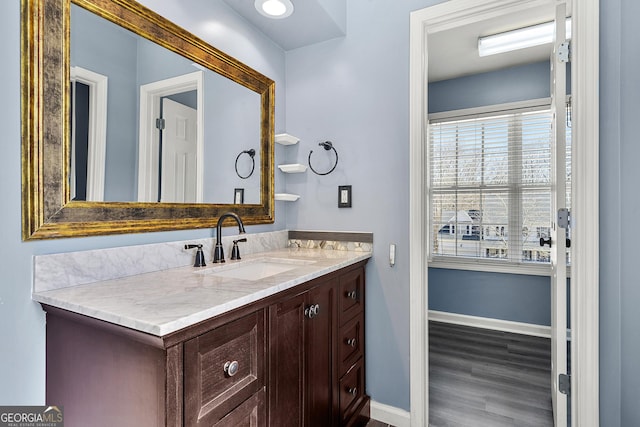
x=88, y=134
x=149, y=158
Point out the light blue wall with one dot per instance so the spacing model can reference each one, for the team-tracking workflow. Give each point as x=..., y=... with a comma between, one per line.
x=625, y=113
x=115, y=58
x=22, y=323
x=354, y=91
x=512, y=84
x=513, y=297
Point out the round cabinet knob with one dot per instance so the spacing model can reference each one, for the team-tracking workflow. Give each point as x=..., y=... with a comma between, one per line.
x=231, y=368
x=352, y=391
x=352, y=295
x=352, y=342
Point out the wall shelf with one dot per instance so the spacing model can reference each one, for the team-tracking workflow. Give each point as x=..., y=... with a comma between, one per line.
x=286, y=139
x=286, y=197
x=293, y=168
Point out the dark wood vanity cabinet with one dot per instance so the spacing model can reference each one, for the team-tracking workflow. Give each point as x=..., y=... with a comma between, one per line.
x=292, y=359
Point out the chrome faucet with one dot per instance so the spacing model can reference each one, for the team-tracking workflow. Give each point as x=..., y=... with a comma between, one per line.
x=218, y=251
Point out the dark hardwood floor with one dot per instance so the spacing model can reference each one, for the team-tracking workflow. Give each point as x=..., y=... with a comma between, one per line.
x=479, y=377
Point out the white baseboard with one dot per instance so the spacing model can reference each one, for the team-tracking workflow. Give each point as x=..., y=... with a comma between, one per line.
x=390, y=415
x=488, y=323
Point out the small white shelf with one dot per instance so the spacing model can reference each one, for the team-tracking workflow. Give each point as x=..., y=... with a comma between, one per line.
x=293, y=168
x=286, y=139
x=287, y=197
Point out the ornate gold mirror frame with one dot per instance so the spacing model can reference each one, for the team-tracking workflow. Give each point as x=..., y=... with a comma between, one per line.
x=47, y=211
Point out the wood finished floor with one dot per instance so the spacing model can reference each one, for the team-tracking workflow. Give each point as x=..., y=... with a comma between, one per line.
x=479, y=377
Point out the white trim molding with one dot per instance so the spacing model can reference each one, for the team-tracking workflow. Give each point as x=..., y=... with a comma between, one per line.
x=489, y=323
x=390, y=415
x=418, y=215
x=585, y=287
x=585, y=115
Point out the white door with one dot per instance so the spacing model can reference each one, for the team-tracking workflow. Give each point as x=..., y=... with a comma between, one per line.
x=179, y=152
x=558, y=233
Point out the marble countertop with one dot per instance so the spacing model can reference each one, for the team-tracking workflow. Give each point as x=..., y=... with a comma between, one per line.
x=163, y=302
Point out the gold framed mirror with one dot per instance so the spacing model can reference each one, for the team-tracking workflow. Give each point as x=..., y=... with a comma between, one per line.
x=48, y=210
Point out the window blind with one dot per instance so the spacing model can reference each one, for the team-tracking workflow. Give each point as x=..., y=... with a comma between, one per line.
x=490, y=185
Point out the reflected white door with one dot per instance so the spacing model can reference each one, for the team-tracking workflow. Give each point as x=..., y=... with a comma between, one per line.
x=179, y=152
x=558, y=233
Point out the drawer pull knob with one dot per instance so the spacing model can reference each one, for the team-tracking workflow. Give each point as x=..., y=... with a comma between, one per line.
x=231, y=368
x=352, y=342
x=352, y=391
x=352, y=294
x=312, y=311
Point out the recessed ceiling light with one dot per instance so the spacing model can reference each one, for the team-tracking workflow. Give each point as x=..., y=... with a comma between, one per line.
x=276, y=9
x=521, y=38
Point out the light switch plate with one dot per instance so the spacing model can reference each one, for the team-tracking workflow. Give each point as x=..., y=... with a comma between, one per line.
x=344, y=196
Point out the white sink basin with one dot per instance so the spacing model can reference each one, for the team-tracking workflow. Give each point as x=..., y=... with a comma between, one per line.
x=255, y=269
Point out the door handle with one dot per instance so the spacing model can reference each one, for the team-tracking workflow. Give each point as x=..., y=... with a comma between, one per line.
x=547, y=241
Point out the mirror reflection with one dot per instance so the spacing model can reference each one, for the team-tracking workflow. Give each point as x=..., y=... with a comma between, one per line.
x=149, y=125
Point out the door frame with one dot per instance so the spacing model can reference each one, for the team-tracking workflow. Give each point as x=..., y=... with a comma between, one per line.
x=149, y=137
x=584, y=300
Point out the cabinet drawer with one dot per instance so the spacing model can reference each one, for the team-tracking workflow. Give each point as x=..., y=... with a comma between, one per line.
x=351, y=295
x=223, y=368
x=251, y=413
x=351, y=339
x=351, y=391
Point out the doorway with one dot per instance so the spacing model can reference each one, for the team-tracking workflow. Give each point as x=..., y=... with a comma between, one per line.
x=584, y=299
x=149, y=151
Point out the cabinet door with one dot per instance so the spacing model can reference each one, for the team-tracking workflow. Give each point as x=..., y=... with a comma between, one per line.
x=319, y=349
x=286, y=362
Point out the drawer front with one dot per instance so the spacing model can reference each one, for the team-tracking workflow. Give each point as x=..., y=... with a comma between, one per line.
x=350, y=348
x=251, y=413
x=351, y=391
x=223, y=368
x=351, y=296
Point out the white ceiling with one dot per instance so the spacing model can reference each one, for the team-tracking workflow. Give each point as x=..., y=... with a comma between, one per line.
x=312, y=21
x=454, y=52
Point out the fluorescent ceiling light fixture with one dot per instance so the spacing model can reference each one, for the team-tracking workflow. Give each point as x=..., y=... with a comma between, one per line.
x=521, y=38
x=276, y=9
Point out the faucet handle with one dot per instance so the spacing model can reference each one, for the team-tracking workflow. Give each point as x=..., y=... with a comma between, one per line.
x=199, y=261
x=235, y=251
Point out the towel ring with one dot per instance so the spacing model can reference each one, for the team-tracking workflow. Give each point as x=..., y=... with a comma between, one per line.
x=327, y=145
x=252, y=154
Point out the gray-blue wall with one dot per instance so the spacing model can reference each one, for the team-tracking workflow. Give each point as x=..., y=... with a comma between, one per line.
x=519, y=83
x=353, y=91
x=98, y=48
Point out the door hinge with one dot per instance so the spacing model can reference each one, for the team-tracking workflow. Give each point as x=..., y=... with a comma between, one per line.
x=160, y=124
x=564, y=218
x=564, y=384
x=564, y=52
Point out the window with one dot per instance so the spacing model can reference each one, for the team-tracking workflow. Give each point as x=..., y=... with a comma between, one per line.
x=490, y=184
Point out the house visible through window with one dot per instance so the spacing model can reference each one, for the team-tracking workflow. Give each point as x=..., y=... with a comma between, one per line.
x=490, y=184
